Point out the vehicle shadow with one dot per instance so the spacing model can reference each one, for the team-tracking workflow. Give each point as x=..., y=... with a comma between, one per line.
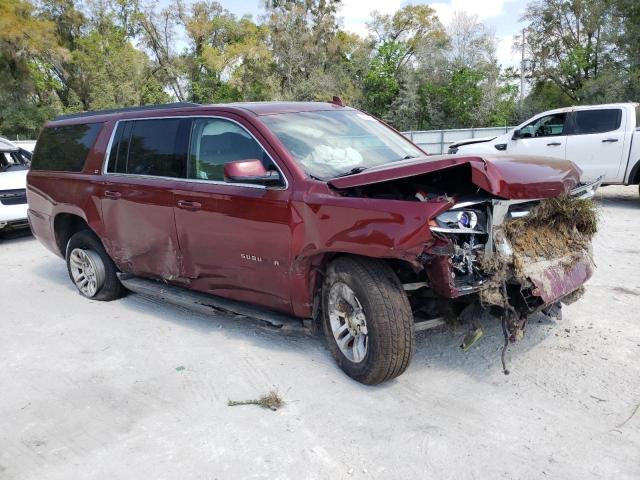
x=620, y=198
x=16, y=236
x=53, y=270
x=437, y=349
x=441, y=349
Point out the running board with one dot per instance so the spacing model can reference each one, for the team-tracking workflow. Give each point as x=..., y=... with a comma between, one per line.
x=208, y=304
x=421, y=324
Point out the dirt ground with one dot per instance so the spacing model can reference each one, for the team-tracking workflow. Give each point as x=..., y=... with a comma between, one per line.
x=134, y=389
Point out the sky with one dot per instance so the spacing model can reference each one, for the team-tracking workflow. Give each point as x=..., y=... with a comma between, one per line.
x=500, y=15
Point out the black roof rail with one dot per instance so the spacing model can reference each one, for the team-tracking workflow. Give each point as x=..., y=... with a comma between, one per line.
x=127, y=109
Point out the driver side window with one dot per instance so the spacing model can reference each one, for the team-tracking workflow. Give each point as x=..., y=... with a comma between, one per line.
x=215, y=142
x=547, y=126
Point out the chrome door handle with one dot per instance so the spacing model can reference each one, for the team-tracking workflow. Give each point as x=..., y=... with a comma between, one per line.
x=188, y=205
x=609, y=140
x=112, y=194
x=554, y=144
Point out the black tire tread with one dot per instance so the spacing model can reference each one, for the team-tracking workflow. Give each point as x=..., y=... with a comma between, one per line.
x=391, y=312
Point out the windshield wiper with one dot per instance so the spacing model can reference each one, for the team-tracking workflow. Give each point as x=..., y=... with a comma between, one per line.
x=353, y=171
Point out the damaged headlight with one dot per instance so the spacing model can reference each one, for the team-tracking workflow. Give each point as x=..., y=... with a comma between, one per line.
x=460, y=221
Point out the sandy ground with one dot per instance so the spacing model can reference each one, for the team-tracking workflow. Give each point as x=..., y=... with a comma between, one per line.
x=134, y=389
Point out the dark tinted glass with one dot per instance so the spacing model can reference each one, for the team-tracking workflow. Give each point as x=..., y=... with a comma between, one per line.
x=157, y=147
x=64, y=148
x=597, y=121
x=120, y=148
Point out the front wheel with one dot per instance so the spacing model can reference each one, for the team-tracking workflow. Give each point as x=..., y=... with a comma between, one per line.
x=91, y=269
x=367, y=320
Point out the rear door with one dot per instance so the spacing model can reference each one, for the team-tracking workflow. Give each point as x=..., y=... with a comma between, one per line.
x=146, y=159
x=545, y=136
x=597, y=142
x=235, y=238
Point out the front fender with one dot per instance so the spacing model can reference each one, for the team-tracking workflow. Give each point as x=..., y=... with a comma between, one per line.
x=330, y=224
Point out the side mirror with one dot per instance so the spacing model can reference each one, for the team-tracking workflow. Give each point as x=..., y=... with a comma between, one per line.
x=250, y=171
x=516, y=135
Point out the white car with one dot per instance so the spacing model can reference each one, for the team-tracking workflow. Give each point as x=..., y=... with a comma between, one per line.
x=14, y=165
x=603, y=140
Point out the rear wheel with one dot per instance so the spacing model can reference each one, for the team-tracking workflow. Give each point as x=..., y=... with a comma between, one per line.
x=90, y=268
x=368, y=322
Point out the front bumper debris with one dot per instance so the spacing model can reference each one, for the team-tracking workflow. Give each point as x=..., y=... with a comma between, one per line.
x=536, y=274
x=552, y=280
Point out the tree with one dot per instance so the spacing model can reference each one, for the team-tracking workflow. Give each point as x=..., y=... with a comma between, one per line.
x=626, y=15
x=570, y=42
x=309, y=51
x=399, y=39
x=27, y=45
x=224, y=53
x=158, y=37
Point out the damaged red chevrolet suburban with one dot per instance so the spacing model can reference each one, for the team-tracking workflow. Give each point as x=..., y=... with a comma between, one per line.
x=314, y=210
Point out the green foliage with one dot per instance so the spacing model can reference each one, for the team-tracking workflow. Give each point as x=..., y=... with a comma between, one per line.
x=70, y=55
x=588, y=49
x=380, y=83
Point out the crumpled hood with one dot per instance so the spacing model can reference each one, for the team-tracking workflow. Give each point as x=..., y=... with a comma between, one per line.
x=514, y=177
x=13, y=180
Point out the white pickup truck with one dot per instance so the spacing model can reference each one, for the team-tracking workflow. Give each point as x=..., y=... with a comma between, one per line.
x=603, y=140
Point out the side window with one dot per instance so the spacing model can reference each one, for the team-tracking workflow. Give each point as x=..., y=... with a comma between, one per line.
x=547, y=126
x=597, y=121
x=156, y=147
x=214, y=142
x=64, y=149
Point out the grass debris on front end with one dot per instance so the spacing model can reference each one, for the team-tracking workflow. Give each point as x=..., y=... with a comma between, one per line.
x=556, y=234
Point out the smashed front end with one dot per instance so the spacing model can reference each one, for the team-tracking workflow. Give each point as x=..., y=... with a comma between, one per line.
x=507, y=235
x=520, y=256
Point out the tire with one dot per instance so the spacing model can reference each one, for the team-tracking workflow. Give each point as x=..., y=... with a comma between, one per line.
x=85, y=254
x=378, y=297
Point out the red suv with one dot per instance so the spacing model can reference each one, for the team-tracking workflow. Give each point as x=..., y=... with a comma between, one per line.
x=314, y=210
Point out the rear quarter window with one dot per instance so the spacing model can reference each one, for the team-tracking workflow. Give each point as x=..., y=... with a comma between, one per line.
x=64, y=149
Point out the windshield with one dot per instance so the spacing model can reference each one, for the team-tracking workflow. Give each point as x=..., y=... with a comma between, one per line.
x=329, y=144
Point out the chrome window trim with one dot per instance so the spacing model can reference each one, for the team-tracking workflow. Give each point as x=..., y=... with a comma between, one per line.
x=105, y=163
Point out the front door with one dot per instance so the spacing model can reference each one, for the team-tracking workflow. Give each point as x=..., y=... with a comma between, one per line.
x=235, y=238
x=137, y=200
x=545, y=136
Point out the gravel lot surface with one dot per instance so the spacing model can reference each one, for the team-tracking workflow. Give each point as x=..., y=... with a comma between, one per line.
x=134, y=389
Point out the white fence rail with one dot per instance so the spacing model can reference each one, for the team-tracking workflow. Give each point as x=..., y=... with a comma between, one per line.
x=438, y=141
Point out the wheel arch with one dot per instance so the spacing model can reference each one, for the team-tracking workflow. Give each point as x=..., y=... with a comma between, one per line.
x=65, y=225
x=315, y=268
x=634, y=175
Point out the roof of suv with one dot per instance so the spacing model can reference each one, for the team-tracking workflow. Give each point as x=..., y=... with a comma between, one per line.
x=256, y=108
x=270, y=108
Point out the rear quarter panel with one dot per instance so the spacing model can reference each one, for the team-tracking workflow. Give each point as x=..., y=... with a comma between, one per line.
x=52, y=193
